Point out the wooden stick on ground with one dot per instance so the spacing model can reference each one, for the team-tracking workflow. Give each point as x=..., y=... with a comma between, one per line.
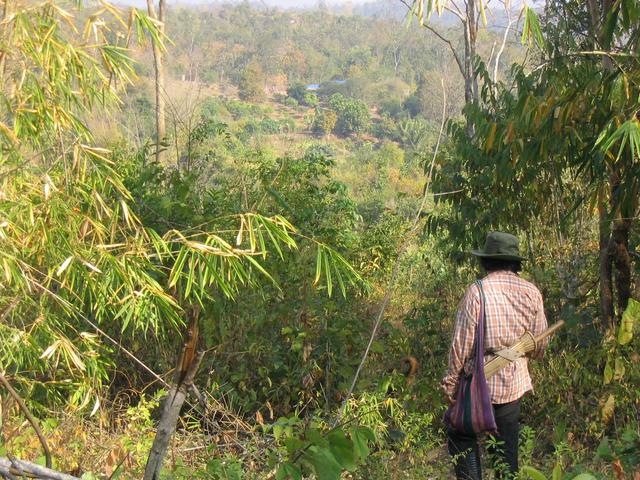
x=9, y=469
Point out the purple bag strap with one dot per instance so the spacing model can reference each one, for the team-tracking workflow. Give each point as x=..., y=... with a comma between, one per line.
x=480, y=331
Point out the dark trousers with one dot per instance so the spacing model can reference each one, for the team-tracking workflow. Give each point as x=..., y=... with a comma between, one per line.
x=503, y=448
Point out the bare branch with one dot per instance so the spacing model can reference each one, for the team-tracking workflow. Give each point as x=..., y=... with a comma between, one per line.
x=451, y=47
x=504, y=41
x=30, y=418
x=456, y=12
x=32, y=469
x=443, y=38
x=455, y=5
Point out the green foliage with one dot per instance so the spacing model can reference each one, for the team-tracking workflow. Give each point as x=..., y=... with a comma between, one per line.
x=79, y=260
x=299, y=93
x=66, y=218
x=260, y=228
x=224, y=469
x=324, y=121
x=392, y=108
x=413, y=132
x=352, y=115
x=251, y=85
x=311, y=100
x=325, y=452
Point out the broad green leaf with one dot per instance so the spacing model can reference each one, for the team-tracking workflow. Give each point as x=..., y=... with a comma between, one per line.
x=293, y=444
x=325, y=464
x=342, y=449
x=604, y=450
x=278, y=430
x=361, y=437
x=557, y=472
x=584, y=476
x=533, y=473
x=608, y=372
x=630, y=317
x=288, y=471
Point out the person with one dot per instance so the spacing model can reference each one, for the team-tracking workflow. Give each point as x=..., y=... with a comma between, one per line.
x=513, y=306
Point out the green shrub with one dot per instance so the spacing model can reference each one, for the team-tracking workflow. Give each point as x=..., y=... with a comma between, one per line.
x=269, y=126
x=324, y=122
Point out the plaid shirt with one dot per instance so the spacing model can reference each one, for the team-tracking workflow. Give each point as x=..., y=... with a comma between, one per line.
x=513, y=306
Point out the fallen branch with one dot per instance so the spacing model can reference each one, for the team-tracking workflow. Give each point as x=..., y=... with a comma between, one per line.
x=11, y=468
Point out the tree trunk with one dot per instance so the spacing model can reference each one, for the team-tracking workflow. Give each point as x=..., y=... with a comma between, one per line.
x=161, y=130
x=168, y=422
x=470, y=79
x=605, y=270
x=614, y=241
x=622, y=262
x=186, y=369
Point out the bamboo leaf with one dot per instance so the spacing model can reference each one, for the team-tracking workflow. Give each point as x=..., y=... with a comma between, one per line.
x=531, y=30
x=64, y=266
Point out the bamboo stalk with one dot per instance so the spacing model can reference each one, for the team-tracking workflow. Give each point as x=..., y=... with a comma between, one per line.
x=550, y=330
x=525, y=344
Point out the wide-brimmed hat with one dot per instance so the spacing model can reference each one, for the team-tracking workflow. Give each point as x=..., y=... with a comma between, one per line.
x=500, y=245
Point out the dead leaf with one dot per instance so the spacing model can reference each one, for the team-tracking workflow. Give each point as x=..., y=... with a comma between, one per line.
x=617, y=467
x=259, y=418
x=608, y=408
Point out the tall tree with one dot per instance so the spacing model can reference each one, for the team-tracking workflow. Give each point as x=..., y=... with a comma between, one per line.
x=158, y=63
x=251, y=86
x=470, y=15
x=568, y=128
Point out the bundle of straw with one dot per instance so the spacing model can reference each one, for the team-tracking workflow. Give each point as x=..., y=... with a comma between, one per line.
x=525, y=344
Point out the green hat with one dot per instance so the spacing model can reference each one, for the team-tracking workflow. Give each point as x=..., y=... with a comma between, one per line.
x=500, y=245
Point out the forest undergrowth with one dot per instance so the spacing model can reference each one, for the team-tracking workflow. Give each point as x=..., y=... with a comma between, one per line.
x=239, y=260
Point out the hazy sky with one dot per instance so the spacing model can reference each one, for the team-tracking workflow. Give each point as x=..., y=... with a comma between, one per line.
x=279, y=3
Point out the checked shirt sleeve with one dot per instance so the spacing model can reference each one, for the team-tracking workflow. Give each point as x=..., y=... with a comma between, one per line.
x=463, y=337
x=539, y=325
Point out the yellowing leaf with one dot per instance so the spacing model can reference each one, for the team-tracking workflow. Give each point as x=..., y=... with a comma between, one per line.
x=630, y=316
x=483, y=13
x=8, y=133
x=51, y=349
x=490, y=137
x=72, y=354
x=125, y=212
x=7, y=270
x=619, y=369
x=608, y=408
x=608, y=372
